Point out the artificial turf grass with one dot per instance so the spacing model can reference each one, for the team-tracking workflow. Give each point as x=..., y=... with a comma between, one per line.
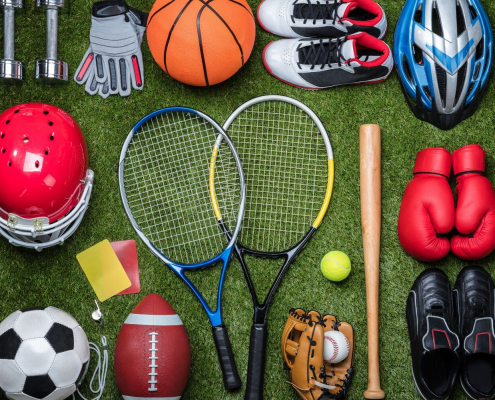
x=53, y=277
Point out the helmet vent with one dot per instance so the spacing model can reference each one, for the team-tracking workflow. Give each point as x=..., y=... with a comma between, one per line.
x=50, y=123
x=418, y=54
x=10, y=163
x=3, y=150
x=442, y=82
x=47, y=151
x=2, y=135
x=25, y=140
x=418, y=15
x=473, y=12
x=46, y=112
x=7, y=122
x=37, y=164
x=52, y=136
x=426, y=89
x=479, y=49
x=436, y=23
x=407, y=69
x=476, y=71
x=16, y=111
x=461, y=76
x=461, y=24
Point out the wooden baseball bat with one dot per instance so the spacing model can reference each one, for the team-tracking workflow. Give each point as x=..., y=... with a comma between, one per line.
x=371, y=188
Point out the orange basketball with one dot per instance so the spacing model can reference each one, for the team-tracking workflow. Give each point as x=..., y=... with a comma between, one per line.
x=201, y=42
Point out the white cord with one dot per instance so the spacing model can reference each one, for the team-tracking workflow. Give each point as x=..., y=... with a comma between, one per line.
x=100, y=371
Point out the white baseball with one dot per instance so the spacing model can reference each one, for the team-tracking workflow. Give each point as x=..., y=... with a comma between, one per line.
x=336, y=348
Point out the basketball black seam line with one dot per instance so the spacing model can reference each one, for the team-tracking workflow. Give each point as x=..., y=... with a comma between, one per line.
x=157, y=11
x=243, y=6
x=228, y=27
x=198, y=27
x=170, y=35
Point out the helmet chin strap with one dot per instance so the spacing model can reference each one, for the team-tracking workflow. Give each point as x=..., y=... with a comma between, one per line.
x=101, y=369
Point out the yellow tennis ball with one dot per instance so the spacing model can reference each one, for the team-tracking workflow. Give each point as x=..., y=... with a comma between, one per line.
x=335, y=266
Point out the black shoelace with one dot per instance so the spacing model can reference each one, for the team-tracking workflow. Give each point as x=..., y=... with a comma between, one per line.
x=327, y=10
x=321, y=53
x=437, y=310
x=477, y=308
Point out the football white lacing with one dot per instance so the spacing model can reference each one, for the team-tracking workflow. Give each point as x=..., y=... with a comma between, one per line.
x=153, y=374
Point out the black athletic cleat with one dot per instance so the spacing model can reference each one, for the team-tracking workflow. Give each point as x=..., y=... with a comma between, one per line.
x=434, y=345
x=474, y=296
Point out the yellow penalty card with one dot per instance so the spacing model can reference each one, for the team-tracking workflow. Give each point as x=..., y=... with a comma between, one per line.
x=103, y=270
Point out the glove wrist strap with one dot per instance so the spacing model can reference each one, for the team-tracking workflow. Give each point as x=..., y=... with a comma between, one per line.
x=109, y=8
x=433, y=161
x=468, y=159
x=141, y=16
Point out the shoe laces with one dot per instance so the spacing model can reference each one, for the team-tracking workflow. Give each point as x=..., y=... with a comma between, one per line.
x=477, y=308
x=437, y=310
x=313, y=12
x=322, y=53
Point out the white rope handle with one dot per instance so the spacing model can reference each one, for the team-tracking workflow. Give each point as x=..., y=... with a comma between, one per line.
x=100, y=371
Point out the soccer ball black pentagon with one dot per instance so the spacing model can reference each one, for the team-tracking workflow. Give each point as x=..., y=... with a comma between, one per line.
x=43, y=354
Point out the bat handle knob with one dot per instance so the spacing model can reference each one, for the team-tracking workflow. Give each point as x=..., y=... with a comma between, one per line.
x=372, y=394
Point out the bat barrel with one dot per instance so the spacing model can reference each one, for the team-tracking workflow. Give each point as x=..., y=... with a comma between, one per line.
x=370, y=187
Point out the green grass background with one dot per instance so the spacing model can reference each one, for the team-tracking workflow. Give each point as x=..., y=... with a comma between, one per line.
x=54, y=277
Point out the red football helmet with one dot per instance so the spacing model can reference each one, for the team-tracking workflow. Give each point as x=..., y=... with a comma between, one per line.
x=45, y=183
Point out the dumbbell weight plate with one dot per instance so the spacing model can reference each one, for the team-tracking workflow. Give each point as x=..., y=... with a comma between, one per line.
x=10, y=71
x=62, y=5
x=52, y=70
x=11, y=3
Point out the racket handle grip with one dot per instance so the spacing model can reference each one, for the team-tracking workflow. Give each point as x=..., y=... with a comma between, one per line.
x=256, y=363
x=231, y=378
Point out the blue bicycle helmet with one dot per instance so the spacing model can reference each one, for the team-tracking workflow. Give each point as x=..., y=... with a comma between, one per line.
x=443, y=57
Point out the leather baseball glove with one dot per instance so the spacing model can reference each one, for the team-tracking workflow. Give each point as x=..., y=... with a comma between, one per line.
x=302, y=349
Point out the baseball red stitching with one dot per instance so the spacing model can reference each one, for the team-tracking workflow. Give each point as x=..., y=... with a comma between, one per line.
x=335, y=348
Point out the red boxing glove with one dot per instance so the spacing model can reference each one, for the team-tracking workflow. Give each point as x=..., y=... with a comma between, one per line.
x=427, y=210
x=475, y=214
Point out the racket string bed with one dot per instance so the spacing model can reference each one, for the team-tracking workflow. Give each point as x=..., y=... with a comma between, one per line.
x=286, y=172
x=175, y=211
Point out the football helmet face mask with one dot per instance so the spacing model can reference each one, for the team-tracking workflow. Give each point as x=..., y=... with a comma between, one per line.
x=45, y=183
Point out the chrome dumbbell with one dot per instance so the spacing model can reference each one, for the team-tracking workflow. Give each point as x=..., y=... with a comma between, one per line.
x=11, y=71
x=51, y=69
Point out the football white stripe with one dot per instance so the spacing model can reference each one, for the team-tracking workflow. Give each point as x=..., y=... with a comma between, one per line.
x=156, y=320
x=147, y=398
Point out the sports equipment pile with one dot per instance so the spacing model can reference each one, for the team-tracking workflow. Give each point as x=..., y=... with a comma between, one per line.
x=252, y=192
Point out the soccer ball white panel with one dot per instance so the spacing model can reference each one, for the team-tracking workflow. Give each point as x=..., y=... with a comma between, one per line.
x=81, y=345
x=35, y=356
x=7, y=323
x=11, y=377
x=33, y=324
x=19, y=396
x=62, y=317
x=65, y=369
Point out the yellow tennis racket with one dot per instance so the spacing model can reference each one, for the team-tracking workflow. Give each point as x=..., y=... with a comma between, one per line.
x=288, y=166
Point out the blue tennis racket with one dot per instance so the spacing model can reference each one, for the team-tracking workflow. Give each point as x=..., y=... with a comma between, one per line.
x=181, y=181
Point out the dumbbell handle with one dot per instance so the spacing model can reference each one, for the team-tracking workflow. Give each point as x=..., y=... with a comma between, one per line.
x=51, y=33
x=8, y=33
